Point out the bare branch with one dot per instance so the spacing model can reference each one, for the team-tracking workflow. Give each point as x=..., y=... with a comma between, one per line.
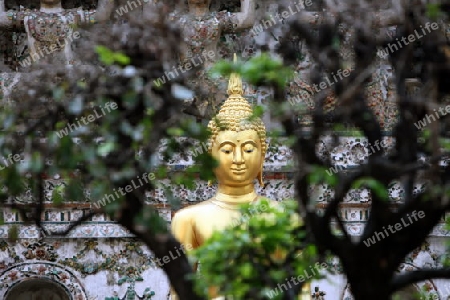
x=401, y=281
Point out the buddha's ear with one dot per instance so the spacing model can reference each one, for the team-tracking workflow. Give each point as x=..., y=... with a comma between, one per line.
x=260, y=179
x=260, y=176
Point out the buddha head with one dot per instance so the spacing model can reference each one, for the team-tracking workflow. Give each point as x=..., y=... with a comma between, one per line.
x=237, y=140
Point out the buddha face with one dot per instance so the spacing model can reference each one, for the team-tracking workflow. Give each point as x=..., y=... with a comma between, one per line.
x=239, y=155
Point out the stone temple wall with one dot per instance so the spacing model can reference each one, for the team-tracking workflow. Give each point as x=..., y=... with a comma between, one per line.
x=100, y=260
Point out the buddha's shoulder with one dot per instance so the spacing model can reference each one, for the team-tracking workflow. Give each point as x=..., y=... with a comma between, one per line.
x=192, y=210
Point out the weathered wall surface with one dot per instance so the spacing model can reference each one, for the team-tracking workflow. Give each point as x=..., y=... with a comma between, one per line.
x=100, y=259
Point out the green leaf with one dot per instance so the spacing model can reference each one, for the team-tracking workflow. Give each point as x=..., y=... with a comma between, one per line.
x=106, y=56
x=57, y=195
x=223, y=67
x=112, y=207
x=13, y=233
x=433, y=10
x=258, y=70
x=121, y=58
x=320, y=175
x=445, y=143
x=258, y=112
x=14, y=182
x=161, y=172
x=374, y=185
x=36, y=162
x=64, y=154
x=74, y=191
x=105, y=148
x=175, y=131
x=336, y=43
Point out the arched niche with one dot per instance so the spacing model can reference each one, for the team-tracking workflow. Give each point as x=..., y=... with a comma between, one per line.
x=38, y=289
x=27, y=278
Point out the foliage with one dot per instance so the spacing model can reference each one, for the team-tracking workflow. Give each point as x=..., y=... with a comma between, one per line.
x=109, y=57
x=377, y=187
x=98, y=127
x=254, y=250
x=258, y=70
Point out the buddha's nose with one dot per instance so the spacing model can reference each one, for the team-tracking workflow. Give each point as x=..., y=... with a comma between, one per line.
x=237, y=157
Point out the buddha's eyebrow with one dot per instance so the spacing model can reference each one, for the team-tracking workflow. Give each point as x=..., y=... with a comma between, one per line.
x=226, y=142
x=250, y=142
x=232, y=143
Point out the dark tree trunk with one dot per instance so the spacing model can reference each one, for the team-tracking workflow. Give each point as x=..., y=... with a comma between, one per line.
x=368, y=272
x=369, y=287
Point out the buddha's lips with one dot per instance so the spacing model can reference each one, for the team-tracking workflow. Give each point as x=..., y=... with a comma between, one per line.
x=239, y=171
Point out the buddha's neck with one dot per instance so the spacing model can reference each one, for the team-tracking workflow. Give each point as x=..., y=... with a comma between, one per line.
x=236, y=194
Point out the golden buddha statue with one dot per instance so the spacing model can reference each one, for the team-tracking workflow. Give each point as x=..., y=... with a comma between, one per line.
x=239, y=144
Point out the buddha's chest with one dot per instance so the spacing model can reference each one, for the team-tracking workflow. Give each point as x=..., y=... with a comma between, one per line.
x=215, y=221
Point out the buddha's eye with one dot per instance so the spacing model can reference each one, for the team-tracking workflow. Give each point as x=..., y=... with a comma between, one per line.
x=248, y=148
x=226, y=150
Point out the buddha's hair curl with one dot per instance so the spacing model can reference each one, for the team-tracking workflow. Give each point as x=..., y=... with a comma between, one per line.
x=236, y=115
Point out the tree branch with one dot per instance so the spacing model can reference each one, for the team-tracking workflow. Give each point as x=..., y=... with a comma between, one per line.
x=401, y=281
